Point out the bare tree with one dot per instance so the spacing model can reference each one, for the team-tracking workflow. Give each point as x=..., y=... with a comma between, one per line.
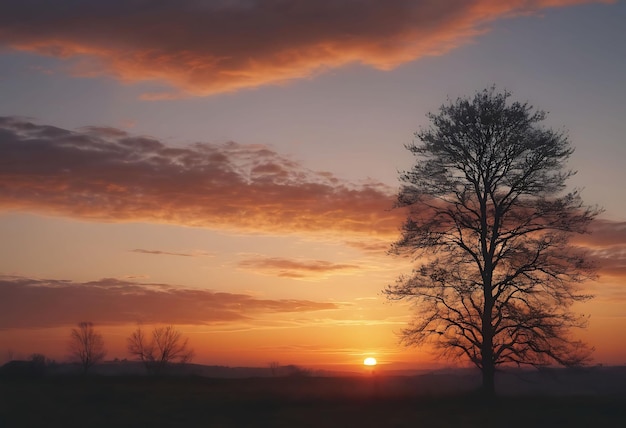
x=166, y=346
x=86, y=345
x=489, y=221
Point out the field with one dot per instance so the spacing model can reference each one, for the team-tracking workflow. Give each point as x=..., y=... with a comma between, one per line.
x=119, y=401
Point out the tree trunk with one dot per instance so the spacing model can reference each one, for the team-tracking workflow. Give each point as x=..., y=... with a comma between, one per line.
x=488, y=387
x=487, y=359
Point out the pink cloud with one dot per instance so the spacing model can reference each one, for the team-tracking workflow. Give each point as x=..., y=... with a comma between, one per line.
x=169, y=253
x=203, y=48
x=611, y=261
x=603, y=233
x=292, y=268
x=606, y=246
x=106, y=174
x=31, y=303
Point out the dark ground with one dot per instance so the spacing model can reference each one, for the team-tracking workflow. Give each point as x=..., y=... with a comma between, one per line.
x=121, y=401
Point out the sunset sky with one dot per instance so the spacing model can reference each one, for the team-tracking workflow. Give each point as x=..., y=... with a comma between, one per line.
x=229, y=166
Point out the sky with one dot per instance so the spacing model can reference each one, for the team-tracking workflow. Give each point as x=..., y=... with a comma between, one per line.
x=229, y=166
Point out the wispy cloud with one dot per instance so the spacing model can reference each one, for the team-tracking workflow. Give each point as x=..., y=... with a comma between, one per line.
x=294, y=268
x=611, y=261
x=203, y=48
x=107, y=174
x=603, y=233
x=28, y=303
x=372, y=246
x=169, y=253
x=606, y=246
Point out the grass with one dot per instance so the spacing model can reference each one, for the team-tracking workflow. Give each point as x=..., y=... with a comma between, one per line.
x=282, y=402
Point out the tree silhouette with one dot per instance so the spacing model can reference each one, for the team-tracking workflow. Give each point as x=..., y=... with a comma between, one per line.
x=86, y=345
x=489, y=219
x=164, y=347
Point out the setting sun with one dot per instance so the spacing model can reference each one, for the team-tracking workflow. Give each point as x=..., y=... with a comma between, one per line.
x=370, y=361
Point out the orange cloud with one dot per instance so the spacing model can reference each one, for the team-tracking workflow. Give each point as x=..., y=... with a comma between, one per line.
x=611, y=261
x=289, y=268
x=107, y=174
x=203, y=48
x=606, y=246
x=372, y=246
x=603, y=233
x=32, y=303
x=169, y=253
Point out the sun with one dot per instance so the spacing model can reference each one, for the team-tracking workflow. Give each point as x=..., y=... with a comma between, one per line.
x=370, y=361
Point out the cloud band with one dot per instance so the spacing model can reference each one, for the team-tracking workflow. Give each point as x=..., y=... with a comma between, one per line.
x=208, y=47
x=106, y=174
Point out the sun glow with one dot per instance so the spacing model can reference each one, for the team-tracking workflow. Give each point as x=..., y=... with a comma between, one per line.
x=370, y=361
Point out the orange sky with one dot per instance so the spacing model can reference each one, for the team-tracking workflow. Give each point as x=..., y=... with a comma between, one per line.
x=231, y=167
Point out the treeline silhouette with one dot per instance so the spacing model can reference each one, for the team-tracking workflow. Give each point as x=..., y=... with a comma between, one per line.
x=162, y=351
x=156, y=351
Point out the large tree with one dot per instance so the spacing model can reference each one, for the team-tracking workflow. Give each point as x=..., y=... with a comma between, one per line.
x=86, y=345
x=488, y=222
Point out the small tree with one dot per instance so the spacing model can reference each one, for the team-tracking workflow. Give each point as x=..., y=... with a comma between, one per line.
x=86, y=345
x=166, y=346
x=489, y=221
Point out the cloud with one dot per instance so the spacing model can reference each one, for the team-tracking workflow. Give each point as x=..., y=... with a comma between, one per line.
x=606, y=247
x=372, y=246
x=32, y=303
x=168, y=253
x=290, y=268
x=603, y=233
x=208, y=47
x=611, y=261
x=106, y=174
